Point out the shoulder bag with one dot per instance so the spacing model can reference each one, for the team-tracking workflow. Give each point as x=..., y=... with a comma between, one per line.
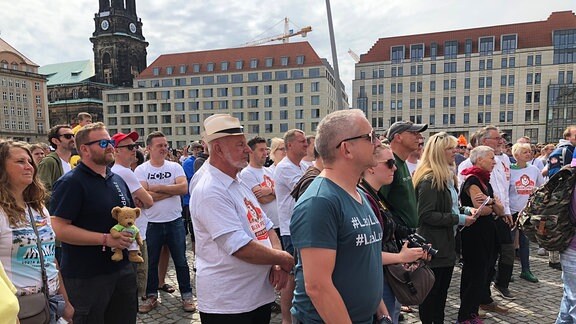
x=35, y=309
x=410, y=285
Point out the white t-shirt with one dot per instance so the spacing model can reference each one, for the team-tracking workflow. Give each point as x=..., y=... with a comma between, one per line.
x=411, y=167
x=228, y=217
x=253, y=177
x=19, y=254
x=286, y=175
x=165, y=210
x=66, y=167
x=522, y=183
x=133, y=185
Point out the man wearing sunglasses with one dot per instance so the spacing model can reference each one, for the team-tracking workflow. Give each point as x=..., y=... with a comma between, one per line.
x=57, y=163
x=405, y=138
x=101, y=290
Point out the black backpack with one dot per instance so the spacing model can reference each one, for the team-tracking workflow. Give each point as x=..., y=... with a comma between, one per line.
x=547, y=219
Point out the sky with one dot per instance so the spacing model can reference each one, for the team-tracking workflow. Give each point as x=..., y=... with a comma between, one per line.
x=55, y=31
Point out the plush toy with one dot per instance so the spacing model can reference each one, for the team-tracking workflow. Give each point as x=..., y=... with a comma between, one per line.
x=126, y=218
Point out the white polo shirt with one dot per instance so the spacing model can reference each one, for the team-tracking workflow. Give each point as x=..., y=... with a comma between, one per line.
x=226, y=218
x=286, y=175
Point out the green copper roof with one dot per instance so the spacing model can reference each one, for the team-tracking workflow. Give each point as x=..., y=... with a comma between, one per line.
x=68, y=73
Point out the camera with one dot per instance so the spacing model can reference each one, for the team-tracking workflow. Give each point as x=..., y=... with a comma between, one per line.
x=415, y=240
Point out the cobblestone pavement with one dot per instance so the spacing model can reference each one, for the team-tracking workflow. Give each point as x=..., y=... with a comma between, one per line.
x=534, y=303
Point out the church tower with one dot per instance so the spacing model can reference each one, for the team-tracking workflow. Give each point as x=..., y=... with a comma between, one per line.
x=119, y=46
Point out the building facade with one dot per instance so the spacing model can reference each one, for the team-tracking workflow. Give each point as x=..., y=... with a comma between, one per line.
x=24, y=114
x=271, y=89
x=518, y=77
x=71, y=91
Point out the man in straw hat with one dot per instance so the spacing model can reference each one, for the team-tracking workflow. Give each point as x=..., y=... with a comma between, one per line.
x=239, y=259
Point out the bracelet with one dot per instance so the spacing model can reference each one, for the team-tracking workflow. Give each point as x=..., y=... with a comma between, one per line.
x=104, y=239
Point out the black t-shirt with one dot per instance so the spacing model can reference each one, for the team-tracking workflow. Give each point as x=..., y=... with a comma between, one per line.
x=466, y=200
x=86, y=198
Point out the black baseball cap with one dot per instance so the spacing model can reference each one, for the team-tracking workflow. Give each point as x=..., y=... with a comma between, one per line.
x=404, y=126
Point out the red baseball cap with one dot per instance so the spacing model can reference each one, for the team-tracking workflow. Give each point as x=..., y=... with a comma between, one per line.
x=119, y=137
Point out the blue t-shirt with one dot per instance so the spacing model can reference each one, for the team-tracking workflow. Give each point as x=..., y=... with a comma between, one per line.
x=327, y=217
x=188, y=166
x=86, y=198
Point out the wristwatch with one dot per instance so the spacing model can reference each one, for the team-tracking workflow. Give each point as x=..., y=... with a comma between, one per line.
x=385, y=319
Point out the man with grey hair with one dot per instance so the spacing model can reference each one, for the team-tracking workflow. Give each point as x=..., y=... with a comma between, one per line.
x=238, y=254
x=287, y=173
x=335, y=232
x=500, y=180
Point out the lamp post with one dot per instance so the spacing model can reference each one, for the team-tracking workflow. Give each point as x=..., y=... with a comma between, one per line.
x=334, y=56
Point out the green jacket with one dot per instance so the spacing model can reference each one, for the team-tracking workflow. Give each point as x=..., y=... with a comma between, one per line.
x=436, y=222
x=50, y=170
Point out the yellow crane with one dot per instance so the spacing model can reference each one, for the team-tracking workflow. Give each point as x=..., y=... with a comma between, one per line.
x=284, y=37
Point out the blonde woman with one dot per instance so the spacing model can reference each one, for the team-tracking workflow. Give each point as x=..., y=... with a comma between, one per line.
x=277, y=152
x=439, y=214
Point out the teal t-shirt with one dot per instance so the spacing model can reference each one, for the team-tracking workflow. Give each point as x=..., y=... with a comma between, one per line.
x=401, y=195
x=326, y=216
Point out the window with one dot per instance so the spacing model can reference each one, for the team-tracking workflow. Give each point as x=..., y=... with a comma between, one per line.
x=208, y=105
x=283, y=114
x=416, y=52
x=512, y=62
x=253, y=63
x=450, y=49
x=314, y=86
x=298, y=114
x=508, y=44
x=253, y=115
x=453, y=84
x=452, y=102
x=196, y=68
x=537, y=78
x=283, y=88
x=237, y=104
x=210, y=67
x=503, y=80
x=283, y=101
x=397, y=54
x=433, y=50
x=314, y=72
x=433, y=68
x=486, y=46
x=252, y=76
x=281, y=75
x=252, y=103
x=530, y=60
x=481, y=82
x=529, y=78
x=450, y=67
x=297, y=74
x=222, y=79
x=208, y=80
x=467, y=66
x=224, y=66
x=267, y=102
x=536, y=96
x=504, y=63
x=482, y=65
x=237, y=91
x=207, y=93
x=538, y=59
x=446, y=84
x=468, y=47
x=315, y=113
x=195, y=81
x=511, y=98
x=239, y=65
x=156, y=71
x=268, y=62
x=266, y=76
x=284, y=60
x=315, y=100
x=432, y=85
x=511, y=80
x=432, y=102
x=222, y=92
x=237, y=78
x=298, y=87
x=299, y=101
x=466, y=101
x=300, y=59
x=564, y=46
x=529, y=97
x=252, y=90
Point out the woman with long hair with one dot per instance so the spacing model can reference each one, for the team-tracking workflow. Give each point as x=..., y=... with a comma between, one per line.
x=479, y=239
x=372, y=179
x=277, y=151
x=22, y=196
x=439, y=214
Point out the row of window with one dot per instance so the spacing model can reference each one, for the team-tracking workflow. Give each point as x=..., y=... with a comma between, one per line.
x=195, y=118
x=483, y=100
x=451, y=48
x=14, y=66
x=195, y=130
x=483, y=82
x=225, y=65
x=216, y=104
x=450, y=119
x=14, y=125
x=452, y=67
x=17, y=83
x=20, y=111
x=232, y=78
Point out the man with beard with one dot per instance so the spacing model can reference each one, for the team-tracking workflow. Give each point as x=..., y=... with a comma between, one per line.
x=57, y=163
x=238, y=254
x=165, y=181
x=101, y=290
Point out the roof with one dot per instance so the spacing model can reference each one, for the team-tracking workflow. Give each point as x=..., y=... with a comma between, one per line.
x=232, y=55
x=5, y=47
x=68, y=72
x=530, y=35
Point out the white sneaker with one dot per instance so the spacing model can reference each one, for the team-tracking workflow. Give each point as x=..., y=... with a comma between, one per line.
x=542, y=252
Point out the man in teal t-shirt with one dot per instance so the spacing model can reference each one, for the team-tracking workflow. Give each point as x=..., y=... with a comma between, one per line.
x=334, y=231
x=404, y=137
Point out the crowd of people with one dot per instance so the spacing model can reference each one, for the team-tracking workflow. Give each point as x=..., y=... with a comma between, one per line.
x=314, y=220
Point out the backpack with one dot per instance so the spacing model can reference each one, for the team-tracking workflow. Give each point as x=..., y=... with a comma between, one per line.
x=560, y=157
x=547, y=217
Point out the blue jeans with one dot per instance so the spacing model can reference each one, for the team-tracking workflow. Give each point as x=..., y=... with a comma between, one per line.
x=172, y=234
x=524, y=251
x=391, y=302
x=567, y=312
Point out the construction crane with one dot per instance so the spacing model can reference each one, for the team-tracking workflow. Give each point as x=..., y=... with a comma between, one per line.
x=285, y=37
x=354, y=56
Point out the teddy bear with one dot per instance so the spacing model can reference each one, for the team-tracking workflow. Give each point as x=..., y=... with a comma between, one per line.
x=126, y=218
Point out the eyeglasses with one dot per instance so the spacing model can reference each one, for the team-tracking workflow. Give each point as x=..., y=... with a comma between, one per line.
x=130, y=147
x=390, y=163
x=66, y=136
x=462, y=147
x=370, y=136
x=103, y=143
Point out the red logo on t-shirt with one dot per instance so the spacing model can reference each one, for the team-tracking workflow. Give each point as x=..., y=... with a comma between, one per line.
x=268, y=182
x=524, y=185
x=256, y=221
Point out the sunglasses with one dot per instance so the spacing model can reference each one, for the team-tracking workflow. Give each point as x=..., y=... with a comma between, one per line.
x=390, y=163
x=103, y=143
x=462, y=147
x=370, y=136
x=130, y=147
x=66, y=136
